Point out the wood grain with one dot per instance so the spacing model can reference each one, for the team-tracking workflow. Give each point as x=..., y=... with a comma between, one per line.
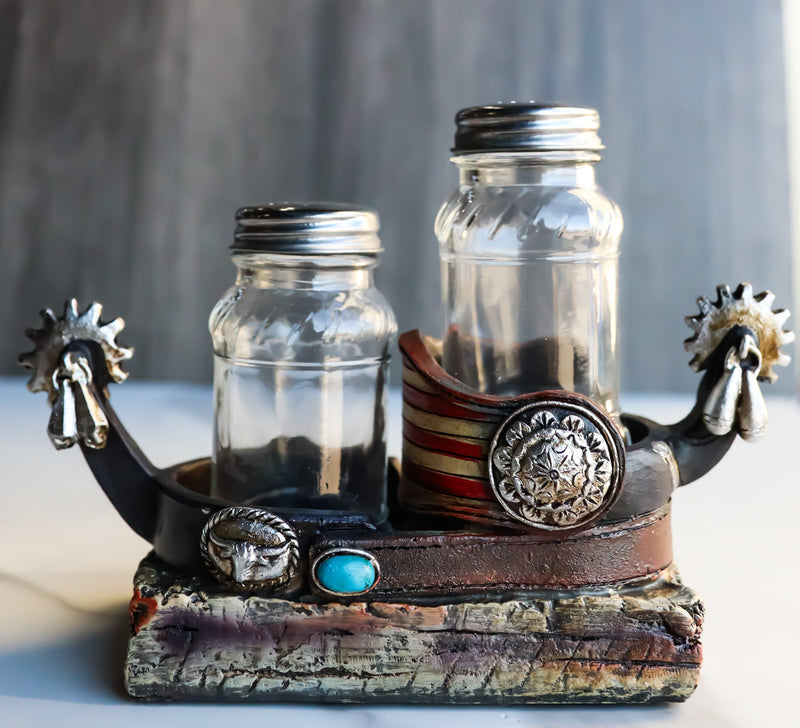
x=191, y=642
x=129, y=133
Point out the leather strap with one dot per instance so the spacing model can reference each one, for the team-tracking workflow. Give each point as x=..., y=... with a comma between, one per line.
x=447, y=433
x=419, y=564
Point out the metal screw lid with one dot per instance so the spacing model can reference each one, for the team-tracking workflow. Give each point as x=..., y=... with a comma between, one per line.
x=527, y=127
x=307, y=228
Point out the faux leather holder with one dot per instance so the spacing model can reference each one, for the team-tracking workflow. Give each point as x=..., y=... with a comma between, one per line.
x=448, y=432
x=439, y=565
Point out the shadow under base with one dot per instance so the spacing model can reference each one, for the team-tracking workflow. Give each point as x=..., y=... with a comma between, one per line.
x=191, y=640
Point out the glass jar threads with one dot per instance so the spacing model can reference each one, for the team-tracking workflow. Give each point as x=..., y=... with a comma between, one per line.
x=301, y=355
x=529, y=246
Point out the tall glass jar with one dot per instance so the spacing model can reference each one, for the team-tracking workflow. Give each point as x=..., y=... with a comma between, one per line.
x=529, y=247
x=301, y=354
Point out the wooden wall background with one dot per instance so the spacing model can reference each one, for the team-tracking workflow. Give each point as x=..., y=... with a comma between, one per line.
x=130, y=131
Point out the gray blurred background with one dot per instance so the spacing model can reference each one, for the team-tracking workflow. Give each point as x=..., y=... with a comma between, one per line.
x=131, y=131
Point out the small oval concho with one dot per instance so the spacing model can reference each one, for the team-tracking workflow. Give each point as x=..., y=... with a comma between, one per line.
x=557, y=465
x=250, y=549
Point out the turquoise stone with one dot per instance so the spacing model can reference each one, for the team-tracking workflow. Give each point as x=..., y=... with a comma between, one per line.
x=346, y=573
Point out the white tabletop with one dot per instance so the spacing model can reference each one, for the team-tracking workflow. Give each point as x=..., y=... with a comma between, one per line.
x=66, y=562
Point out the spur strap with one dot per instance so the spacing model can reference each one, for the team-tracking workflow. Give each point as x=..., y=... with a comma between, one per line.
x=419, y=564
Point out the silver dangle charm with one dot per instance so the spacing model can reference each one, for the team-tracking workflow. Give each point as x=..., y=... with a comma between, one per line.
x=752, y=410
x=62, y=429
x=719, y=411
x=736, y=400
x=76, y=415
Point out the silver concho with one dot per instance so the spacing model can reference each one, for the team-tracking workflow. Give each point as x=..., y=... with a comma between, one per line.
x=250, y=549
x=556, y=465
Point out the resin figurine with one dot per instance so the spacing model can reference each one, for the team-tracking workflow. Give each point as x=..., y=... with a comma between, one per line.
x=522, y=553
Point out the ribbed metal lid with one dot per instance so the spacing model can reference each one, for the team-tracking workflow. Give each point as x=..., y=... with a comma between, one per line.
x=307, y=228
x=516, y=127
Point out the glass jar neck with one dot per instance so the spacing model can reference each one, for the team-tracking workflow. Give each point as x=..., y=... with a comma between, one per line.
x=503, y=170
x=305, y=272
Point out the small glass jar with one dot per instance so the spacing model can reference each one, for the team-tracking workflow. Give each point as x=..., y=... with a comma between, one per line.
x=529, y=247
x=301, y=355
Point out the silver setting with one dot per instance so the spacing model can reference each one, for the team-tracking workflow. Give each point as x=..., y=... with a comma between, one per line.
x=528, y=127
x=555, y=465
x=67, y=376
x=339, y=551
x=302, y=228
x=250, y=549
x=741, y=308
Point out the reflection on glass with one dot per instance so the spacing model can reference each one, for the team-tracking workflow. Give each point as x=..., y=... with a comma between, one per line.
x=301, y=354
x=529, y=253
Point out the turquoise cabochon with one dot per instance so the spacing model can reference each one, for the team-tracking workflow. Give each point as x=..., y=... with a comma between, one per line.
x=346, y=573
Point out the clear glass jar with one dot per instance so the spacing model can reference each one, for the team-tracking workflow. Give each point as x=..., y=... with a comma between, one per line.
x=529, y=248
x=301, y=355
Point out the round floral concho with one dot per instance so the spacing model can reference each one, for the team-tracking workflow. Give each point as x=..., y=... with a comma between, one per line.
x=556, y=465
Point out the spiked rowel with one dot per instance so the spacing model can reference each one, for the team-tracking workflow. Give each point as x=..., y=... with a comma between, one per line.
x=740, y=308
x=56, y=332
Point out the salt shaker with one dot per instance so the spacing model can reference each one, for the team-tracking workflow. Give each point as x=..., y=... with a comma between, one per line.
x=301, y=353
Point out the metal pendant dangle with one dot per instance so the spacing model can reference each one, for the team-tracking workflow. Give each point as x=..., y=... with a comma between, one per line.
x=752, y=409
x=735, y=402
x=719, y=412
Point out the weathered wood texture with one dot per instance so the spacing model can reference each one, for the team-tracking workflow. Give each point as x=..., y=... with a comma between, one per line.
x=129, y=133
x=191, y=642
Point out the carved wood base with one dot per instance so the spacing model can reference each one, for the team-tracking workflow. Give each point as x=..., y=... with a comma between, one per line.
x=192, y=641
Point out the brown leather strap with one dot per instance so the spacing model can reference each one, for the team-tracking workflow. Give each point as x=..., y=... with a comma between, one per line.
x=418, y=564
x=447, y=434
